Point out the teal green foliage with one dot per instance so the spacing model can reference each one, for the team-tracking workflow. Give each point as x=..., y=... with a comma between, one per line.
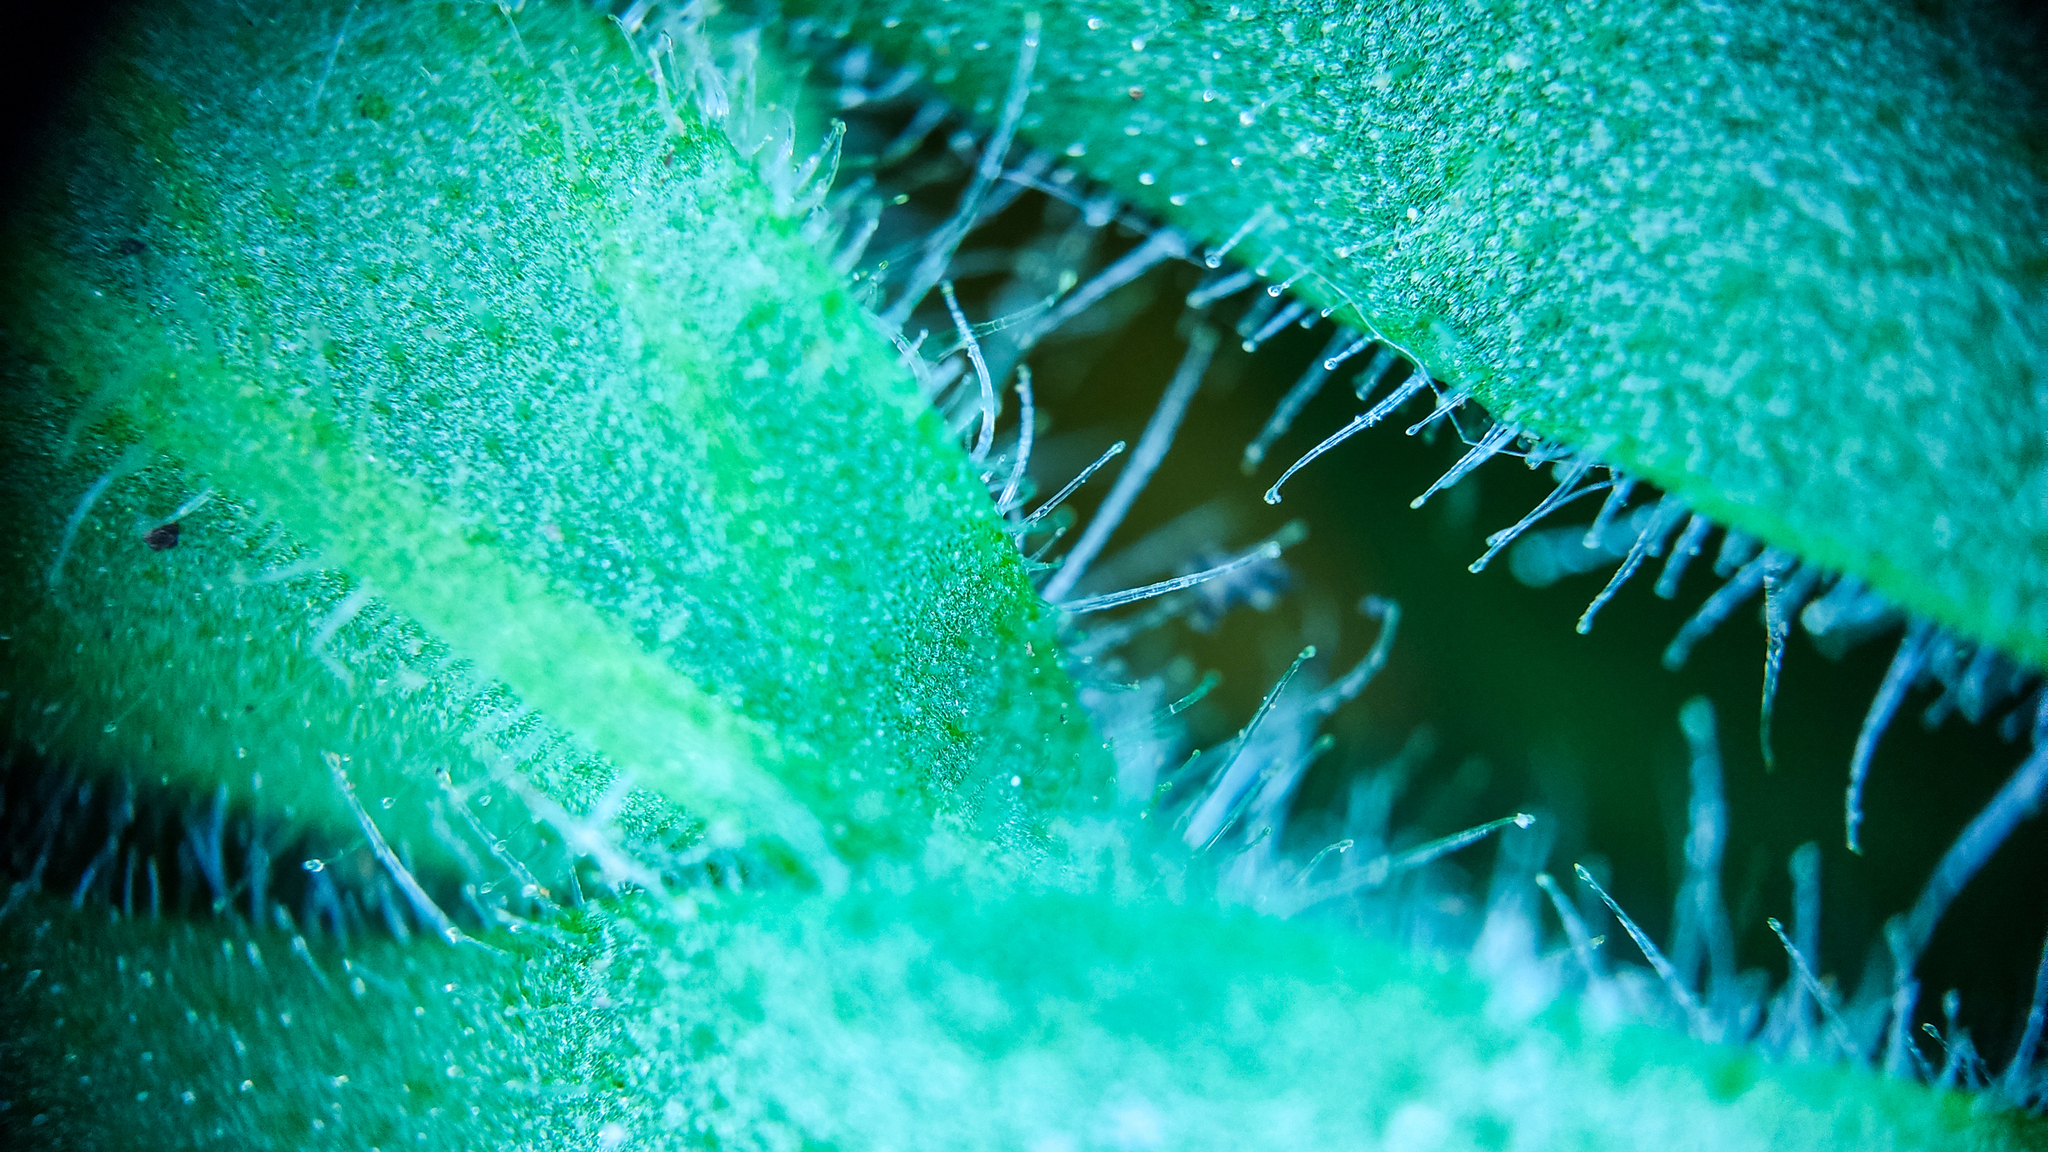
x=1784, y=260
x=959, y=1010
x=549, y=378
x=116, y=1028
x=547, y=455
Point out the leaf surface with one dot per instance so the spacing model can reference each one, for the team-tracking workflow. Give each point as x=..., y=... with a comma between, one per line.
x=1786, y=261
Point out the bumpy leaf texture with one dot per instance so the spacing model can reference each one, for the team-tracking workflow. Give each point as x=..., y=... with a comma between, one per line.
x=519, y=444
x=484, y=330
x=1788, y=261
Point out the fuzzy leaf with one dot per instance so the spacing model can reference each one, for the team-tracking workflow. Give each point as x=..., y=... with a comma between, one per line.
x=1787, y=261
x=453, y=306
x=547, y=455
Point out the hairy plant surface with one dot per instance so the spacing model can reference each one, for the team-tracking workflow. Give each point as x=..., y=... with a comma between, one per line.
x=538, y=370
x=1787, y=261
x=544, y=459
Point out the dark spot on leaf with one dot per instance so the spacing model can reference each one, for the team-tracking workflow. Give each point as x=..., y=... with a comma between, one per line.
x=130, y=247
x=162, y=538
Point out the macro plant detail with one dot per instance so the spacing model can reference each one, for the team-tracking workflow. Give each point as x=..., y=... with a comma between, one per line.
x=1724, y=251
x=502, y=650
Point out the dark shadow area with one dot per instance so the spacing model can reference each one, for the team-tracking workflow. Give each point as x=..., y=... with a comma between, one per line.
x=44, y=49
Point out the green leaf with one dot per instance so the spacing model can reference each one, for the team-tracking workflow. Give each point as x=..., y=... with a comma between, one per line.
x=527, y=356
x=545, y=458
x=1785, y=261
x=966, y=1012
